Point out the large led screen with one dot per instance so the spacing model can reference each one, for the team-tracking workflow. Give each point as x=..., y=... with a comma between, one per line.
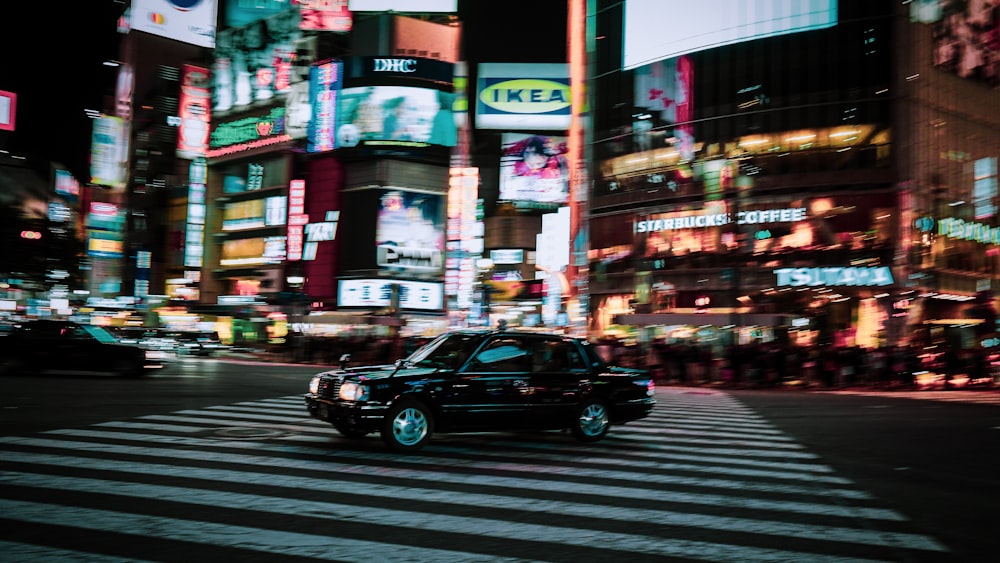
x=256, y=63
x=661, y=29
x=534, y=168
x=967, y=41
x=395, y=115
x=410, y=231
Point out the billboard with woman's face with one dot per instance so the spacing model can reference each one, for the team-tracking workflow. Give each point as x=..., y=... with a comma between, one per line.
x=533, y=168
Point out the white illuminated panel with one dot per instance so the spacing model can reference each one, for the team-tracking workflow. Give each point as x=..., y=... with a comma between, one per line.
x=662, y=29
x=426, y=296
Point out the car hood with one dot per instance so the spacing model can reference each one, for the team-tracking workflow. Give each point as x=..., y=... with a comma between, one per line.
x=382, y=372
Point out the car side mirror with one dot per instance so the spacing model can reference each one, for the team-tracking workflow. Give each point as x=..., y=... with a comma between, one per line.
x=344, y=360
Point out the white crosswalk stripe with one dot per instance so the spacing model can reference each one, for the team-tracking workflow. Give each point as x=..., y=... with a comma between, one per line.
x=703, y=478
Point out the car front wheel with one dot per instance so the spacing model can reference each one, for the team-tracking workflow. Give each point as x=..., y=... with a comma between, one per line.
x=408, y=426
x=592, y=422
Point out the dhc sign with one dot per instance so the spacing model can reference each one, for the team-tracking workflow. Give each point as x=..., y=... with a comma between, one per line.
x=853, y=276
x=394, y=65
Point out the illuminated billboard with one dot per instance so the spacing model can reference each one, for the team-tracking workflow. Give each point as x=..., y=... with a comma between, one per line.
x=533, y=168
x=325, y=82
x=107, y=153
x=410, y=231
x=253, y=251
x=325, y=15
x=395, y=115
x=427, y=296
x=8, y=110
x=188, y=21
x=256, y=63
x=967, y=40
x=517, y=96
x=661, y=29
x=413, y=6
x=194, y=109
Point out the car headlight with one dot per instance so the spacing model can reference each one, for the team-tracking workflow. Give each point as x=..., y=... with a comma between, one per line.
x=314, y=385
x=351, y=391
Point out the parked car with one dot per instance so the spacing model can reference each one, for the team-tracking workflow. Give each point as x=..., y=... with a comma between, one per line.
x=66, y=347
x=482, y=380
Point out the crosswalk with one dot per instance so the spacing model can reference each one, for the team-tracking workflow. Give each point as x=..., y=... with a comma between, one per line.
x=703, y=478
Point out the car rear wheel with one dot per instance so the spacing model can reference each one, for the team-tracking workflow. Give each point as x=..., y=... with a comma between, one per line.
x=408, y=426
x=592, y=422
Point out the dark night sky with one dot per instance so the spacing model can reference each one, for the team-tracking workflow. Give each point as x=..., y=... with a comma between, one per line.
x=57, y=72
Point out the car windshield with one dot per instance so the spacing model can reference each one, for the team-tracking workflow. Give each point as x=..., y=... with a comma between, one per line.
x=100, y=334
x=446, y=351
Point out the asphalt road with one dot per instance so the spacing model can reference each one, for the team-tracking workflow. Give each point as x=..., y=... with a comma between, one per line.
x=224, y=463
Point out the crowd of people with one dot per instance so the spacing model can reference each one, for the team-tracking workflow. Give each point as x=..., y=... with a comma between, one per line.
x=759, y=364
x=763, y=364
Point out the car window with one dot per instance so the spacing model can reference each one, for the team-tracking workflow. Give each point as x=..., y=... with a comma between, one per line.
x=504, y=355
x=556, y=355
x=101, y=334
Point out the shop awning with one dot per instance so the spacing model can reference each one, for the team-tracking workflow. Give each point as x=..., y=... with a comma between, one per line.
x=699, y=319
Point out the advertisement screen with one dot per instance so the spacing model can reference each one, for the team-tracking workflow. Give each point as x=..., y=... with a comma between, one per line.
x=396, y=115
x=410, y=231
x=428, y=296
x=189, y=21
x=325, y=15
x=534, y=168
x=967, y=41
x=694, y=26
x=107, y=153
x=253, y=251
x=418, y=6
x=256, y=63
x=8, y=110
x=519, y=97
x=325, y=81
x=195, y=112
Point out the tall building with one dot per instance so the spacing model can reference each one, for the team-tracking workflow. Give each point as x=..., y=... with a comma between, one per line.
x=765, y=171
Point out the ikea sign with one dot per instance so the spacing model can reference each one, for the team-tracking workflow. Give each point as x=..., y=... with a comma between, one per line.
x=513, y=96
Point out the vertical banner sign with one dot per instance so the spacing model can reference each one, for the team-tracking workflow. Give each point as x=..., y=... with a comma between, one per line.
x=297, y=219
x=107, y=158
x=195, y=112
x=325, y=80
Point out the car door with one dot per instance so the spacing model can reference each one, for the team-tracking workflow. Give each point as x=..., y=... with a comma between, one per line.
x=559, y=377
x=489, y=391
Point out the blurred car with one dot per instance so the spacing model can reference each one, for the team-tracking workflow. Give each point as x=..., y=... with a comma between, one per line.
x=159, y=343
x=198, y=343
x=66, y=347
x=482, y=380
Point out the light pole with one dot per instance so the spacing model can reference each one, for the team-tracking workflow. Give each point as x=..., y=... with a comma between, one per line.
x=484, y=266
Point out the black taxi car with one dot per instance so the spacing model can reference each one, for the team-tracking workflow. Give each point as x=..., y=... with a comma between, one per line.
x=60, y=347
x=483, y=380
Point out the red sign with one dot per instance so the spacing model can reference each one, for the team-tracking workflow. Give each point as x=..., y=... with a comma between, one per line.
x=8, y=110
x=297, y=218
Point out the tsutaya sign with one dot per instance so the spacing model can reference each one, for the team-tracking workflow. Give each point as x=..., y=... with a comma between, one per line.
x=754, y=217
x=872, y=276
x=964, y=230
